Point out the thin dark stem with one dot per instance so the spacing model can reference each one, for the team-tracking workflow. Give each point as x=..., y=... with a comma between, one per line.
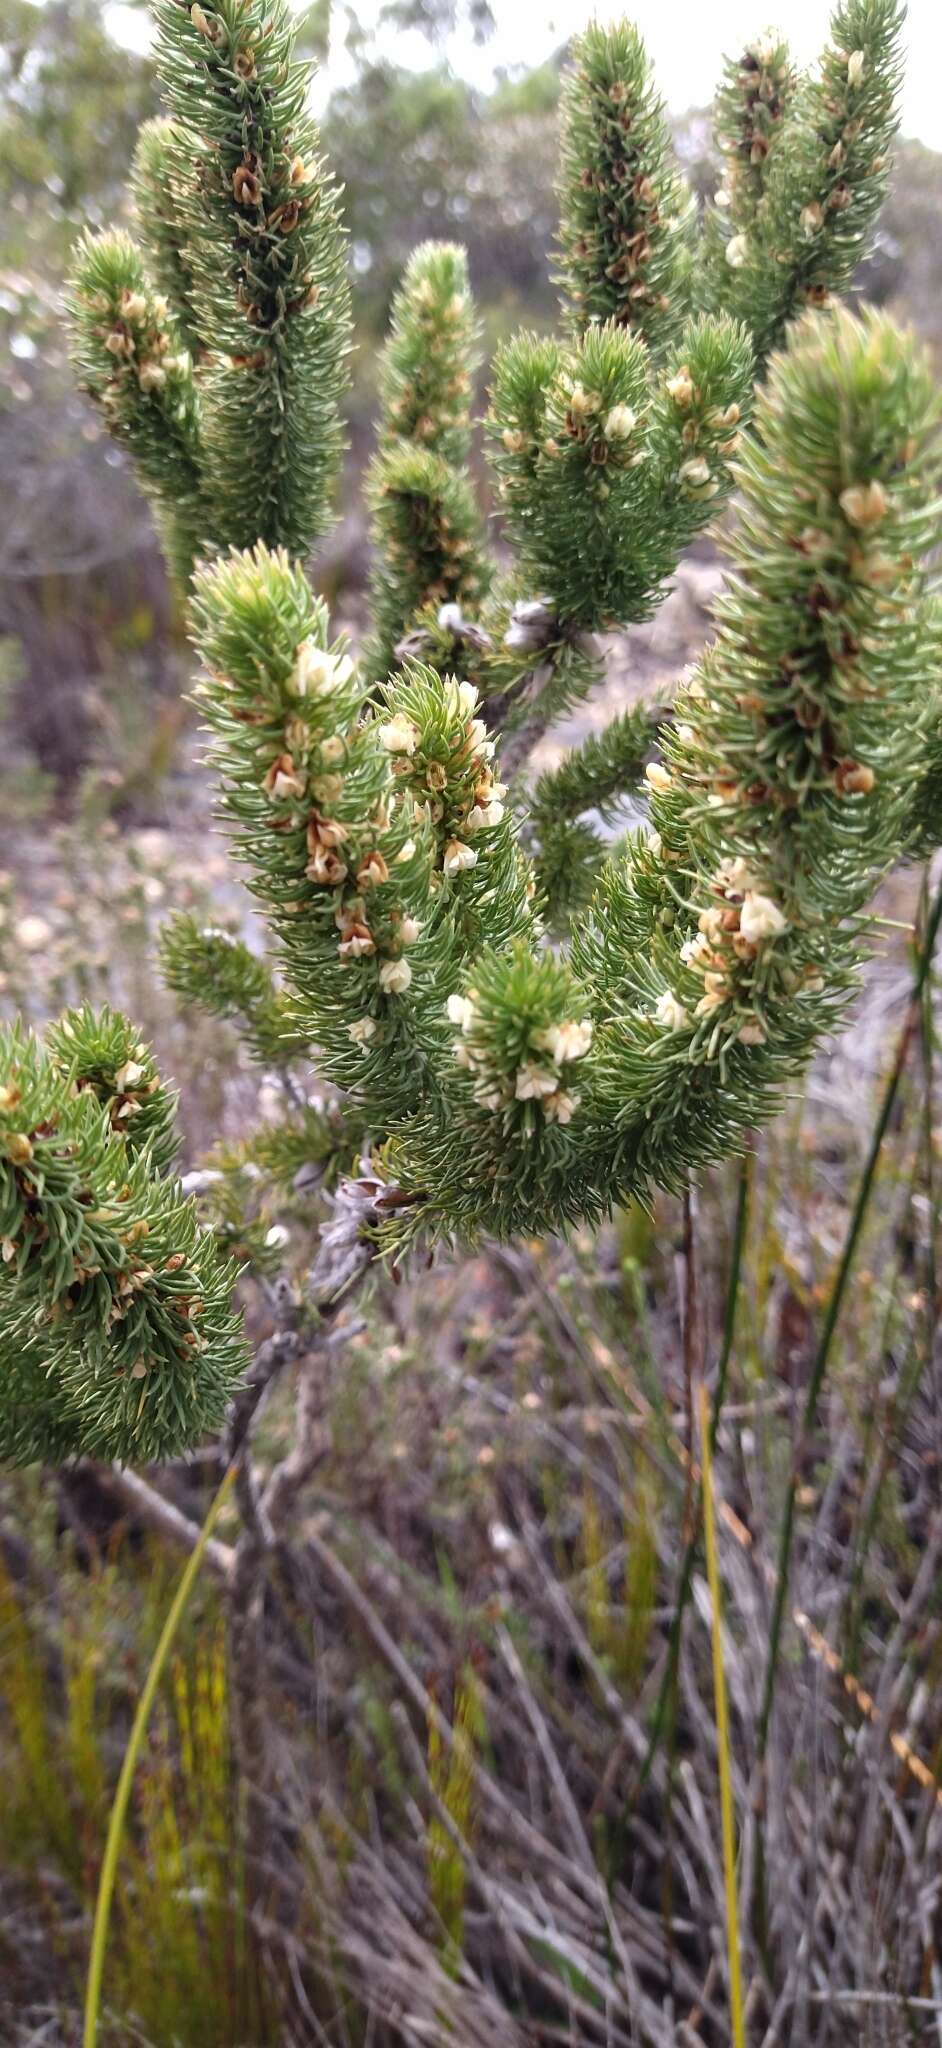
x=668, y=1688
x=835, y=1304
x=927, y=1044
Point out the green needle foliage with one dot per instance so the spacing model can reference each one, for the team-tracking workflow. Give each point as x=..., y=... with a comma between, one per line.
x=204, y=965
x=569, y=852
x=426, y=527
x=606, y=471
x=163, y=233
x=627, y=217
x=130, y=357
x=431, y=355
x=116, y=1313
x=753, y=99
x=798, y=238
x=502, y=1084
x=264, y=250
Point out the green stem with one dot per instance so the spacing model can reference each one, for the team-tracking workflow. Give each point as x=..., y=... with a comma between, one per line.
x=727, y=1821
x=668, y=1683
x=835, y=1305
x=119, y=1806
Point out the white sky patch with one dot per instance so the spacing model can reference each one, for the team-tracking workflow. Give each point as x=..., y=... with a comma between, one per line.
x=686, y=40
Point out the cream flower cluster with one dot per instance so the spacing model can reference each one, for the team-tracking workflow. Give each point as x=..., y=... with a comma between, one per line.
x=352, y=859
x=540, y=1079
x=742, y=919
x=462, y=795
x=585, y=420
x=139, y=341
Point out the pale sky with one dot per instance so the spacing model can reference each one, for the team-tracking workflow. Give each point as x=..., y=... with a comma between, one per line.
x=686, y=39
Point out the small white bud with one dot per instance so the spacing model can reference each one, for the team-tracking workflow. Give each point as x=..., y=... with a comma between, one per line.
x=395, y=977
x=461, y=1011
x=670, y=1012
x=760, y=918
x=317, y=673
x=399, y=735
x=680, y=388
x=567, y=1041
x=458, y=857
x=561, y=1107
x=737, y=251
x=620, y=423
x=128, y=1076
x=483, y=815
x=856, y=65
x=864, y=504
x=533, y=1081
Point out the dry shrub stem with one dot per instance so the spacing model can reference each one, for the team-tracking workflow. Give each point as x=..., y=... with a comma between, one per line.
x=835, y=1304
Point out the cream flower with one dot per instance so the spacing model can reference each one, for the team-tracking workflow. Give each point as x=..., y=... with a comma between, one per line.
x=710, y=922
x=620, y=423
x=357, y=946
x=128, y=1076
x=399, y=735
x=734, y=876
x=317, y=673
x=406, y=851
x=281, y=782
x=694, y=951
x=151, y=376
x=760, y=918
x=477, y=734
x=737, y=251
x=395, y=977
x=567, y=1041
x=680, y=388
x=362, y=1030
x=484, y=814
x=856, y=65
x=657, y=777
x=533, y=1081
x=713, y=999
x=582, y=402
x=409, y=930
x=461, y=1011
x=461, y=697
x=752, y=1032
x=670, y=1012
x=458, y=856
x=864, y=504
x=561, y=1107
